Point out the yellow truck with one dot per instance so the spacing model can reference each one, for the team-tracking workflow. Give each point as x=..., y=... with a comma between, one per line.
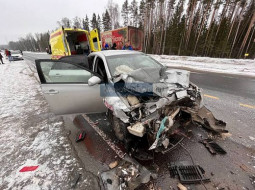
x=73, y=41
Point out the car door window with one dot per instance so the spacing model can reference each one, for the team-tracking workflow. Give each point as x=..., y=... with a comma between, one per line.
x=62, y=72
x=91, y=61
x=95, y=42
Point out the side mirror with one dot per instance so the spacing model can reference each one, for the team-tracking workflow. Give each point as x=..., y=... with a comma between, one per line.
x=94, y=80
x=164, y=64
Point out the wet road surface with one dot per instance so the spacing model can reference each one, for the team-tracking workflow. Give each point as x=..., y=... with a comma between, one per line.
x=231, y=171
x=230, y=98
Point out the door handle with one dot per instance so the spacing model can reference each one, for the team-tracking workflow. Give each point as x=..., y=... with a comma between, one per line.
x=58, y=75
x=51, y=92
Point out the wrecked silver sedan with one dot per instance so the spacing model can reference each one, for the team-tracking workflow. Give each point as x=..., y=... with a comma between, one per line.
x=145, y=101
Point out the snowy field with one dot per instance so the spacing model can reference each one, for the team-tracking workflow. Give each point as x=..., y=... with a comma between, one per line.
x=31, y=136
x=217, y=65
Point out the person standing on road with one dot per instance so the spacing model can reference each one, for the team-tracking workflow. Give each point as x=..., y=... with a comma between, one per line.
x=10, y=56
x=1, y=58
x=127, y=46
x=6, y=52
x=114, y=46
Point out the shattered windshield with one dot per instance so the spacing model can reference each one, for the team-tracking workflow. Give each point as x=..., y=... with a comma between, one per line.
x=126, y=63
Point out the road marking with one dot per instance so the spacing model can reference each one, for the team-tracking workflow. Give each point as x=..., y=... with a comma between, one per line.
x=229, y=77
x=209, y=96
x=111, y=144
x=247, y=106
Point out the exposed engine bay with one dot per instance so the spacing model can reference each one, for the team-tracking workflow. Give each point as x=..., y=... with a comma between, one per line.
x=154, y=103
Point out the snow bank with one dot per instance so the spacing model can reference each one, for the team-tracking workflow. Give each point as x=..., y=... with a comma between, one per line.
x=218, y=65
x=44, y=53
x=30, y=136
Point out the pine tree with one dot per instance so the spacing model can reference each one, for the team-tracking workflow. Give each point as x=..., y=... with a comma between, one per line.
x=141, y=16
x=93, y=22
x=170, y=10
x=250, y=17
x=85, y=23
x=107, y=21
x=99, y=25
x=176, y=30
x=68, y=24
x=190, y=18
x=133, y=9
x=206, y=7
x=125, y=13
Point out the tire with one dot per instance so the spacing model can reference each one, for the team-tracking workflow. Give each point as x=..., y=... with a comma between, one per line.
x=120, y=128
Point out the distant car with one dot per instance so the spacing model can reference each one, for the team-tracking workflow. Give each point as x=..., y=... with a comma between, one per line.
x=16, y=55
x=143, y=99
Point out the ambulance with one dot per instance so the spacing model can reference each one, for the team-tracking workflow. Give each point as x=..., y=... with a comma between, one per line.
x=73, y=41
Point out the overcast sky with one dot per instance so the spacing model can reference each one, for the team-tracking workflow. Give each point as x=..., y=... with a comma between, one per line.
x=20, y=17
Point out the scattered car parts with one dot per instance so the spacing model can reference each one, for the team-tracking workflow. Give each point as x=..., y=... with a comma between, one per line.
x=80, y=136
x=28, y=168
x=213, y=147
x=126, y=176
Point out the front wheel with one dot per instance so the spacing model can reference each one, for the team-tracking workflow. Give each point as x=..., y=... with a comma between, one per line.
x=120, y=128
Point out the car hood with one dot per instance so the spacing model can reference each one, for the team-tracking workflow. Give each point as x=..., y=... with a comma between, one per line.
x=160, y=82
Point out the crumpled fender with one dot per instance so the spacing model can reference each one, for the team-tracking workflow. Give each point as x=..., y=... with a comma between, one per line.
x=206, y=118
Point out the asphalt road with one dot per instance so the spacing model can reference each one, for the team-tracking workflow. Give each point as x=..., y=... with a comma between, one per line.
x=232, y=99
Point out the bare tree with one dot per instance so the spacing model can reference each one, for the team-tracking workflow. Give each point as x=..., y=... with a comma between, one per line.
x=113, y=9
x=77, y=22
x=65, y=22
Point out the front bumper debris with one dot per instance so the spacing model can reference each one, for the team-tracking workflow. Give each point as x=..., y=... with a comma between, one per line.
x=156, y=107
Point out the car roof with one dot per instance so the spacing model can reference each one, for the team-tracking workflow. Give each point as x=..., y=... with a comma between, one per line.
x=107, y=53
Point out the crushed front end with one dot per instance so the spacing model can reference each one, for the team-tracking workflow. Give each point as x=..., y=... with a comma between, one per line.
x=156, y=104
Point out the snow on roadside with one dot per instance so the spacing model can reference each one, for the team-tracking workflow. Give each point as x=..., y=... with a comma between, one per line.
x=218, y=65
x=30, y=136
x=44, y=53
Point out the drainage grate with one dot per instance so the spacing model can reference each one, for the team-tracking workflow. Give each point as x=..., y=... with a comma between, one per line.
x=191, y=174
x=188, y=173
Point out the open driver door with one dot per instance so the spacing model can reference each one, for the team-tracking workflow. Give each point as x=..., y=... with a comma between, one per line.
x=94, y=41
